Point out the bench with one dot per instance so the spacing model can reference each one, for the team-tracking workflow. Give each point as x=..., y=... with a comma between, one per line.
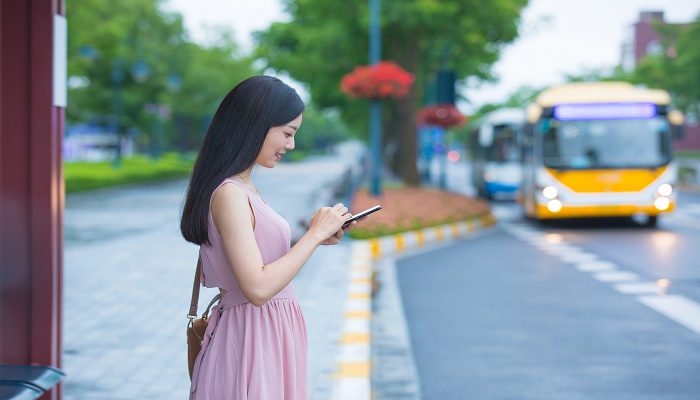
x=20, y=382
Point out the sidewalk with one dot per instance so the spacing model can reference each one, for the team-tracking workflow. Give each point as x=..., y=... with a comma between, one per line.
x=128, y=277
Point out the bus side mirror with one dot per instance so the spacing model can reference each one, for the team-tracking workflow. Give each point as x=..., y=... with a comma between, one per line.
x=676, y=119
x=678, y=131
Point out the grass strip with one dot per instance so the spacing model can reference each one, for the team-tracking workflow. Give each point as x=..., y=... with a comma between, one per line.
x=84, y=176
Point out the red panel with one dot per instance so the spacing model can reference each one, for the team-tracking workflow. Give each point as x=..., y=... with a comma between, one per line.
x=43, y=189
x=14, y=177
x=31, y=187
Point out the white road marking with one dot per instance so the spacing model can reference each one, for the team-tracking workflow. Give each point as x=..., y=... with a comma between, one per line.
x=560, y=249
x=639, y=288
x=596, y=266
x=577, y=258
x=616, y=276
x=563, y=248
x=679, y=308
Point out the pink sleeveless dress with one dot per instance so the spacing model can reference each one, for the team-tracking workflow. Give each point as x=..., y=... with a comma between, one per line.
x=250, y=352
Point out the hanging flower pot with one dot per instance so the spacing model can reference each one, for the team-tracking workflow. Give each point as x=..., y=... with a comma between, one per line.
x=384, y=79
x=444, y=115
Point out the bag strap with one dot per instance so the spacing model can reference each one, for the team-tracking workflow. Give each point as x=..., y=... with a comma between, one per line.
x=192, y=315
x=195, y=291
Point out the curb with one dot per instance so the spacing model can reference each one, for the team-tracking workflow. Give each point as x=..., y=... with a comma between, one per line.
x=354, y=369
x=396, y=243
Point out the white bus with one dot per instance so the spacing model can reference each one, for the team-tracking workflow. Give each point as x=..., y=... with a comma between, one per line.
x=496, y=166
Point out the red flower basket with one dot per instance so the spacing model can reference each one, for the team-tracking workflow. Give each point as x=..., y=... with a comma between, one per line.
x=385, y=79
x=440, y=114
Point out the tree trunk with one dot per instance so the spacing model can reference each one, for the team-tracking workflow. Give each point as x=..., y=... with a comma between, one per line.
x=402, y=132
x=407, y=140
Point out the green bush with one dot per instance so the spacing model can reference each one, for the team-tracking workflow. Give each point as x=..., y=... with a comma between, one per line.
x=688, y=154
x=82, y=176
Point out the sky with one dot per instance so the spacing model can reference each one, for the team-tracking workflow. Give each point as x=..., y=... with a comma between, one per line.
x=557, y=37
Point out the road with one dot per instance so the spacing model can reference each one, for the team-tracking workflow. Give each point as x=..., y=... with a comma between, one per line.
x=577, y=310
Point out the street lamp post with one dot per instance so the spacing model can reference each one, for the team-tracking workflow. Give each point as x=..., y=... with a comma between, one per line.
x=375, y=50
x=114, y=128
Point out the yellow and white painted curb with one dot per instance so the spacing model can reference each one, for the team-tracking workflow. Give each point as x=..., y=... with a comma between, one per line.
x=397, y=243
x=352, y=379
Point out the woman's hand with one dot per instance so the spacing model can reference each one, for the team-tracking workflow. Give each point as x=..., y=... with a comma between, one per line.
x=335, y=239
x=327, y=223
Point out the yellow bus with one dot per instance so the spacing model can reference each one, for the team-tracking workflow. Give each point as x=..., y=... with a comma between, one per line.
x=599, y=149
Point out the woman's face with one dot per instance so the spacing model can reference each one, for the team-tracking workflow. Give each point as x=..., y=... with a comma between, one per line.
x=278, y=141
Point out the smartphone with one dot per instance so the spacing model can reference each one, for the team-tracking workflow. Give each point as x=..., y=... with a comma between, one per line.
x=362, y=214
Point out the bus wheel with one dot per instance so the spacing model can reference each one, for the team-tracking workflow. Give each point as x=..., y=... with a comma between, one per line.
x=651, y=221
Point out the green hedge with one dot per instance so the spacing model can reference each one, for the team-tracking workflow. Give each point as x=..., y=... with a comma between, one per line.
x=82, y=176
x=688, y=154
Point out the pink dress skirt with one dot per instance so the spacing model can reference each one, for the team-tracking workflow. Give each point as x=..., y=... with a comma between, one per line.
x=253, y=352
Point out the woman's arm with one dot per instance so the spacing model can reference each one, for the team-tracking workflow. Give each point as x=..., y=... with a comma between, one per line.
x=233, y=219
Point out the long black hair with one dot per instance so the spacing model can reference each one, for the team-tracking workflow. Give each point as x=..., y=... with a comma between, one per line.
x=232, y=143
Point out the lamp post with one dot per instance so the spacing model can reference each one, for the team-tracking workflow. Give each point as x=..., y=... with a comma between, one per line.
x=161, y=112
x=117, y=82
x=375, y=50
x=140, y=71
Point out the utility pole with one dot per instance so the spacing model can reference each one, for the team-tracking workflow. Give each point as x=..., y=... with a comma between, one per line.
x=375, y=51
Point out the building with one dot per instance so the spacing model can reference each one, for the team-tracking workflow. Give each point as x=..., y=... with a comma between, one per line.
x=643, y=40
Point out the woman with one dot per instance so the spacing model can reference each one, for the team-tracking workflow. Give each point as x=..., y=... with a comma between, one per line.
x=255, y=344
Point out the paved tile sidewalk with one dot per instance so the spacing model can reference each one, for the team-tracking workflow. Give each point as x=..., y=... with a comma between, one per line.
x=128, y=277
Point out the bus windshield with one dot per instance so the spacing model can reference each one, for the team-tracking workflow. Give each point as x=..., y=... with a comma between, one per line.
x=504, y=147
x=596, y=144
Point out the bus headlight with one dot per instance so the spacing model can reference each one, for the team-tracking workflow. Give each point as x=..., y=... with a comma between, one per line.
x=665, y=189
x=554, y=205
x=550, y=192
x=662, y=203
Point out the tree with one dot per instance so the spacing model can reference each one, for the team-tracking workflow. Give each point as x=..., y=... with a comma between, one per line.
x=126, y=55
x=319, y=45
x=677, y=68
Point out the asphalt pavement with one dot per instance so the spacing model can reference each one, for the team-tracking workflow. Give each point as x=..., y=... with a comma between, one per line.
x=522, y=310
x=128, y=279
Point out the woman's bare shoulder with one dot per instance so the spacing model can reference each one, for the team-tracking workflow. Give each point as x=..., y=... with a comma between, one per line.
x=229, y=194
x=230, y=206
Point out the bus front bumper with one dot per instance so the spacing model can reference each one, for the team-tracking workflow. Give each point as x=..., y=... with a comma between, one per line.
x=591, y=211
